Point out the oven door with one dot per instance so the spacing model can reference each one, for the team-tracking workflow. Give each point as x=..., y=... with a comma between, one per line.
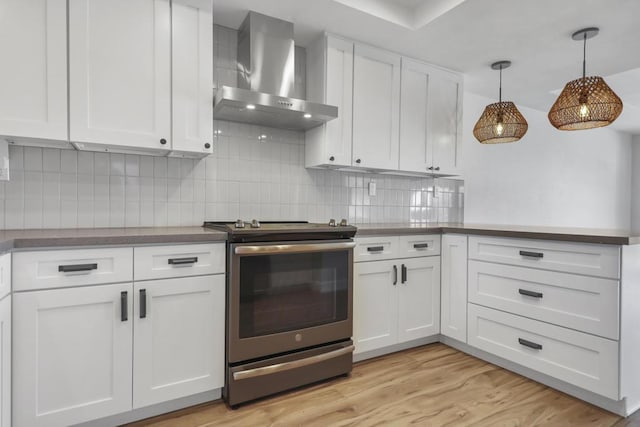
x=288, y=296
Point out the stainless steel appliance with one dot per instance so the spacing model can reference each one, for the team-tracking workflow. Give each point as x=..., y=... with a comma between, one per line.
x=289, y=305
x=266, y=70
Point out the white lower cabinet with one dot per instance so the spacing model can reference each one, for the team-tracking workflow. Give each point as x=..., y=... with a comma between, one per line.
x=454, y=287
x=72, y=354
x=375, y=305
x=5, y=361
x=179, y=338
x=577, y=358
x=419, y=298
x=395, y=301
x=85, y=351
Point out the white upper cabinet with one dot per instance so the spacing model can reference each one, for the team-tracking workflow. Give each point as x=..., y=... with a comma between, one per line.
x=120, y=74
x=33, y=75
x=394, y=113
x=415, y=152
x=445, y=121
x=192, y=75
x=376, y=108
x=430, y=119
x=330, y=81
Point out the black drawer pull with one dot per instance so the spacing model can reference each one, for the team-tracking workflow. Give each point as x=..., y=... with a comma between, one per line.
x=420, y=245
x=77, y=267
x=395, y=275
x=404, y=273
x=182, y=261
x=532, y=254
x=530, y=293
x=375, y=249
x=530, y=344
x=124, y=306
x=143, y=303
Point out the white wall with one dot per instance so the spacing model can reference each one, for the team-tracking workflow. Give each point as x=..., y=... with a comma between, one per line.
x=635, y=185
x=549, y=178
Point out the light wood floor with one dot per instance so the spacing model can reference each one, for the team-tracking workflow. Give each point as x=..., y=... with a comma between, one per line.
x=433, y=385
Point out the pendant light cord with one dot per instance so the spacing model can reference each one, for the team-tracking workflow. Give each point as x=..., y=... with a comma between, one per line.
x=584, y=57
x=500, y=90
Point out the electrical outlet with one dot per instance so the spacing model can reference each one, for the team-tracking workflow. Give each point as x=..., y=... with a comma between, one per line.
x=372, y=188
x=4, y=174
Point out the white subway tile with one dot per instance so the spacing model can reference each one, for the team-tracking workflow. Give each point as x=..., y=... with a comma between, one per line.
x=101, y=163
x=50, y=160
x=51, y=213
x=16, y=158
x=146, y=166
x=68, y=213
x=85, y=163
x=69, y=161
x=32, y=159
x=85, y=213
x=132, y=165
x=116, y=213
x=116, y=164
x=33, y=213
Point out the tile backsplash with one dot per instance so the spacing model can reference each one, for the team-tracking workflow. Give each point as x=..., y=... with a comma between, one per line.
x=246, y=178
x=254, y=173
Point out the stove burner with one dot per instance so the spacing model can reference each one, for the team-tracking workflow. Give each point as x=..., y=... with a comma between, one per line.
x=271, y=231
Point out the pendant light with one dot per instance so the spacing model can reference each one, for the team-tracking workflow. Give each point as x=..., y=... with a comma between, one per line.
x=500, y=122
x=587, y=102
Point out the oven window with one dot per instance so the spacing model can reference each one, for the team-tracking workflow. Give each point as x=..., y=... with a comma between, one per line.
x=286, y=292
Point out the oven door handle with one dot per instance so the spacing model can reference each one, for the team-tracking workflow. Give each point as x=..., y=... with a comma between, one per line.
x=287, y=366
x=296, y=248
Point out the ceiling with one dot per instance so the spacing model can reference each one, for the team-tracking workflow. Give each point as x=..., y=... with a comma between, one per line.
x=468, y=36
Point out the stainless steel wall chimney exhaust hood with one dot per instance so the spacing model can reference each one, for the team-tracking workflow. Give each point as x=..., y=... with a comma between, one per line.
x=266, y=80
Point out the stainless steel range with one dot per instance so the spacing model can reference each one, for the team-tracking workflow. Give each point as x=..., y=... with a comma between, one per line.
x=289, y=305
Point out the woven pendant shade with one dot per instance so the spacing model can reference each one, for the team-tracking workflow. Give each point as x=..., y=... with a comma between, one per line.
x=499, y=123
x=585, y=103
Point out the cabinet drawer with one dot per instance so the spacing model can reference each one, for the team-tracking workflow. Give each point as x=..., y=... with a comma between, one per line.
x=375, y=248
x=419, y=245
x=580, y=258
x=75, y=267
x=158, y=262
x=5, y=274
x=587, y=304
x=577, y=358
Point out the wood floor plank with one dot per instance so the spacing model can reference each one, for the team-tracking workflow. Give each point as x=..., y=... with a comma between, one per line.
x=433, y=385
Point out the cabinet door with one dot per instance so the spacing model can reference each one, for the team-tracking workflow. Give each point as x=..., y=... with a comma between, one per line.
x=454, y=286
x=415, y=150
x=375, y=305
x=33, y=78
x=72, y=355
x=445, y=120
x=339, y=92
x=376, y=108
x=419, y=298
x=120, y=72
x=179, y=338
x=192, y=75
x=5, y=362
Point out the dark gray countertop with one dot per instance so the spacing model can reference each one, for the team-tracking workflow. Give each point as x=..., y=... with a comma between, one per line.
x=21, y=239
x=582, y=235
x=106, y=236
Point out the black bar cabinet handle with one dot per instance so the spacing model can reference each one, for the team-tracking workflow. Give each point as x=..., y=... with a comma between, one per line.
x=375, y=248
x=181, y=261
x=532, y=254
x=143, y=303
x=395, y=275
x=124, y=305
x=404, y=273
x=77, y=267
x=530, y=293
x=530, y=344
x=420, y=245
